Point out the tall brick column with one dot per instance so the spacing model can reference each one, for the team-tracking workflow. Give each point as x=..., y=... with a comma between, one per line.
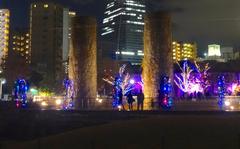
x=83, y=60
x=158, y=59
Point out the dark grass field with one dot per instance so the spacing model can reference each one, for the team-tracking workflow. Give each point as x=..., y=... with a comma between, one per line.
x=37, y=129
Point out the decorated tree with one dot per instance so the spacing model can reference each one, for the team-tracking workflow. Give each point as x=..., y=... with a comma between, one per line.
x=166, y=100
x=221, y=90
x=121, y=83
x=20, y=92
x=69, y=93
x=193, y=78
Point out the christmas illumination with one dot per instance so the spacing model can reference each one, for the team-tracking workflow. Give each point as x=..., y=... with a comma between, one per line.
x=166, y=100
x=122, y=84
x=192, y=79
x=221, y=91
x=20, y=92
x=69, y=94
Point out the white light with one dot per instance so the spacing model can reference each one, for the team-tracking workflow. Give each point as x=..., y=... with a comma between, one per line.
x=3, y=81
x=132, y=81
x=58, y=101
x=227, y=103
x=37, y=98
x=214, y=50
x=119, y=108
x=232, y=108
x=140, y=54
x=127, y=53
x=44, y=104
x=98, y=99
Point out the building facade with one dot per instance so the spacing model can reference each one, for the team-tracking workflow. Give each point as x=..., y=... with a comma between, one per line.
x=214, y=50
x=21, y=44
x=227, y=53
x=47, y=42
x=122, y=30
x=184, y=51
x=4, y=34
x=67, y=35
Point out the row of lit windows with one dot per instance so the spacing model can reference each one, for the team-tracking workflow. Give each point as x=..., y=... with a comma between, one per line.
x=107, y=32
x=106, y=20
x=110, y=5
x=135, y=22
x=134, y=4
x=44, y=6
x=139, y=53
x=20, y=44
x=21, y=49
x=4, y=31
x=110, y=18
x=183, y=51
x=111, y=12
x=137, y=10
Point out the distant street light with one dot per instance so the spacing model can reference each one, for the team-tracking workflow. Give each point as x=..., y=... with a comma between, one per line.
x=205, y=54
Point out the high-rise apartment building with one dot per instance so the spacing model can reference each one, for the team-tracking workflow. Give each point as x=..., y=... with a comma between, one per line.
x=122, y=30
x=4, y=34
x=47, y=41
x=67, y=35
x=21, y=44
x=184, y=51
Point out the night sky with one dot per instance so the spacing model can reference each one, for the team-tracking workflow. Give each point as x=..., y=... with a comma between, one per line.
x=203, y=21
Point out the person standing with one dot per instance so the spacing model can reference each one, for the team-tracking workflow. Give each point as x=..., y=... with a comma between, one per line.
x=130, y=101
x=140, y=100
x=120, y=101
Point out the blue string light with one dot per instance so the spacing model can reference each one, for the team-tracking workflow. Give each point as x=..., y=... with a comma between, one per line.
x=117, y=91
x=69, y=93
x=20, y=92
x=166, y=100
x=221, y=90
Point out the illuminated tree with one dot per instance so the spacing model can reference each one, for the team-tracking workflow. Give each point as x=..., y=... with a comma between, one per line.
x=121, y=85
x=192, y=79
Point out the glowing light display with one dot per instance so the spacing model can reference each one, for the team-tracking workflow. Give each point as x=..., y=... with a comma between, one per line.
x=221, y=91
x=192, y=79
x=122, y=84
x=166, y=100
x=20, y=92
x=69, y=94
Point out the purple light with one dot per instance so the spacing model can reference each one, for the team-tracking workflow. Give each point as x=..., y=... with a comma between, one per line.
x=232, y=88
x=195, y=87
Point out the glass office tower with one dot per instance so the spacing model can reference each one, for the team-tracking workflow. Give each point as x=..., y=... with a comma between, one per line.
x=122, y=30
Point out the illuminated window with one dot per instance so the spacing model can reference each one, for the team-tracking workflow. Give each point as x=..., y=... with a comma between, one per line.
x=127, y=53
x=45, y=5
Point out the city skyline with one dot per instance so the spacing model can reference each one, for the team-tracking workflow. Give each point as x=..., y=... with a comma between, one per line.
x=189, y=22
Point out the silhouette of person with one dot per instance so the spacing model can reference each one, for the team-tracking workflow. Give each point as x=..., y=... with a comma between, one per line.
x=120, y=97
x=130, y=100
x=140, y=99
